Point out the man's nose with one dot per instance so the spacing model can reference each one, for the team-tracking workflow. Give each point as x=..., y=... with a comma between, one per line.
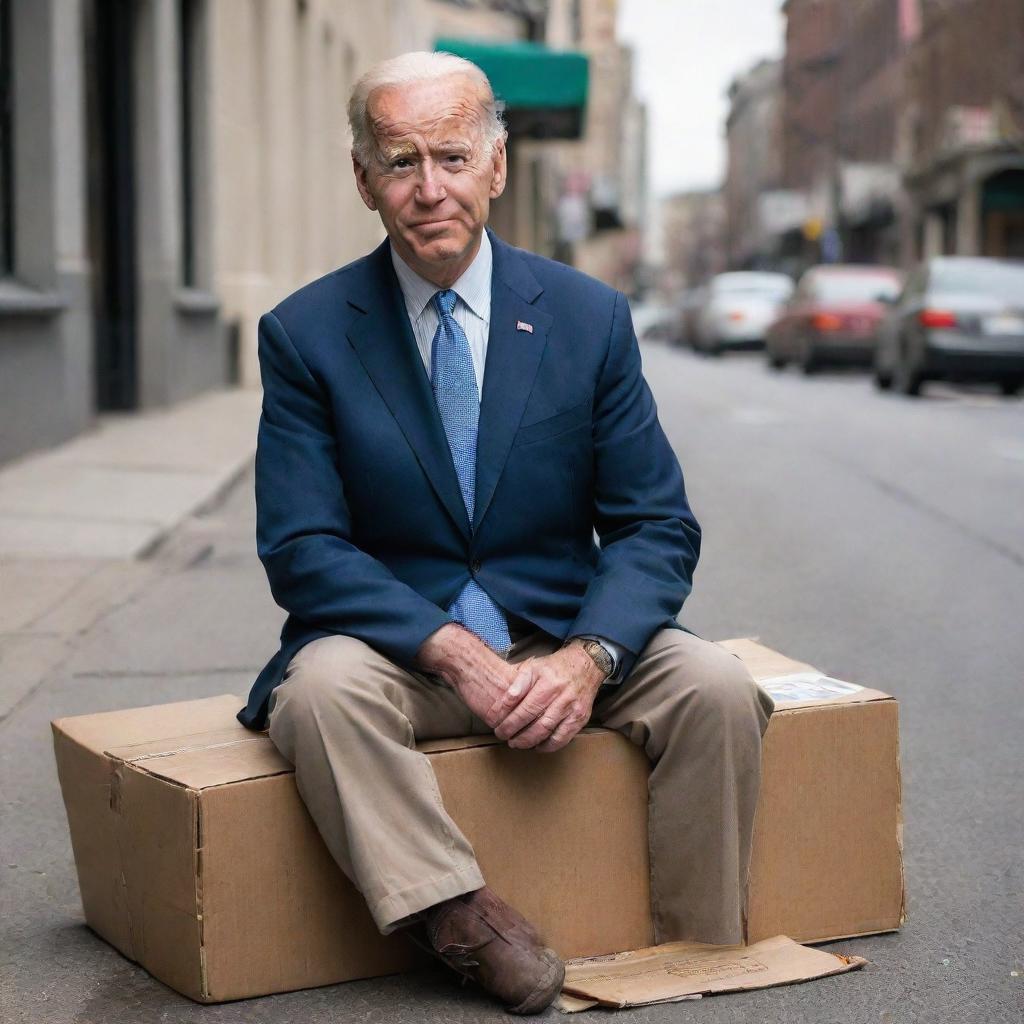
x=430, y=190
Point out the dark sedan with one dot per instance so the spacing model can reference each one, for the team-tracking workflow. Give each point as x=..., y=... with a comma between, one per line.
x=833, y=316
x=958, y=318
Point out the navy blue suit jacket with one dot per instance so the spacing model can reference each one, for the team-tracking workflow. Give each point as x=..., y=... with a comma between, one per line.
x=360, y=523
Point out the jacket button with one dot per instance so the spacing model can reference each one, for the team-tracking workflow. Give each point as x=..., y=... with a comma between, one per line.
x=474, y=566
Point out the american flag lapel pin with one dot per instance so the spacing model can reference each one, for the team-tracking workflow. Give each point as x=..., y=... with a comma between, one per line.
x=521, y=325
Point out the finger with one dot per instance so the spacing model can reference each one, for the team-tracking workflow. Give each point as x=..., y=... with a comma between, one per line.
x=532, y=705
x=518, y=688
x=567, y=729
x=541, y=729
x=527, y=711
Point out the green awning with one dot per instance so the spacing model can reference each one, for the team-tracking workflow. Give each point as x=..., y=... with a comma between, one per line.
x=524, y=75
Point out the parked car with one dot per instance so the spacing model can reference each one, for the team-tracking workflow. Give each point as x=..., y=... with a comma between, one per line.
x=738, y=308
x=833, y=316
x=958, y=318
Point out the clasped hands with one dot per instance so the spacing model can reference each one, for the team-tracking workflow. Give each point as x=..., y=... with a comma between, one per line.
x=540, y=703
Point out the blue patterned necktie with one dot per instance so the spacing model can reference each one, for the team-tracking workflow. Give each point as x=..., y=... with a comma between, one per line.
x=458, y=401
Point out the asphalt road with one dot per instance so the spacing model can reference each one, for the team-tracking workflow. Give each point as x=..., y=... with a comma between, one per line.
x=878, y=537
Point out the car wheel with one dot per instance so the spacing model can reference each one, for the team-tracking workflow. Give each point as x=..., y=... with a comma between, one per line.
x=809, y=359
x=714, y=349
x=1011, y=386
x=907, y=379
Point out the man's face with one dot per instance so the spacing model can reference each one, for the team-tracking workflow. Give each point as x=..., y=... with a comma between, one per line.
x=431, y=179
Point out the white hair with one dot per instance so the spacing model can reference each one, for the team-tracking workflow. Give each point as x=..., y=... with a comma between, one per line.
x=418, y=66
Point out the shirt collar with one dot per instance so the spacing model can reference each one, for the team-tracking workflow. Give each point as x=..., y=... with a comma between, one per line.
x=473, y=287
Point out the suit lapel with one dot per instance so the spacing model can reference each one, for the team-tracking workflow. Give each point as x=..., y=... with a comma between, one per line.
x=513, y=358
x=384, y=342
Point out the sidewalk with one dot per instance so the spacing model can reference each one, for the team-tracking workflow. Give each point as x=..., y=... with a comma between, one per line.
x=77, y=521
x=117, y=491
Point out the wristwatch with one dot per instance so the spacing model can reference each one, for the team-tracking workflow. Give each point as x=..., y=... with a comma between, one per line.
x=599, y=654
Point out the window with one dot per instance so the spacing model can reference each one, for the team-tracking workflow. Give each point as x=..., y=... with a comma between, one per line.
x=6, y=143
x=980, y=277
x=856, y=286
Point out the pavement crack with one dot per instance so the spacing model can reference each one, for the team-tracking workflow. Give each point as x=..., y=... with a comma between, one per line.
x=911, y=500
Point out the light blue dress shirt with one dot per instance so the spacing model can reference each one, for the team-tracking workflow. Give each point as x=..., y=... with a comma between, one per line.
x=473, y=313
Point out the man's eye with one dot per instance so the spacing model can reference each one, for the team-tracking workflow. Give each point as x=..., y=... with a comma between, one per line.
x=456, y=158
x=401, y=163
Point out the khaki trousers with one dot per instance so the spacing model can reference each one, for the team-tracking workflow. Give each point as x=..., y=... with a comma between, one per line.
x=349, y=719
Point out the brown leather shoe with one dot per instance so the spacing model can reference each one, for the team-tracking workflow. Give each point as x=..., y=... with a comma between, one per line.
x=483, y=938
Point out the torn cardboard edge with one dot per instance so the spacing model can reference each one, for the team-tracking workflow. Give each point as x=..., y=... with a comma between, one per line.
x=678, y=971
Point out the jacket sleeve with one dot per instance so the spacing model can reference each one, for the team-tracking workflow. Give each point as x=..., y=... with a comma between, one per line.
x=650, y=539
x=303, y=524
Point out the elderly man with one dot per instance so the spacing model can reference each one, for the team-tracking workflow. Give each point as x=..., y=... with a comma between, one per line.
x=446, y=423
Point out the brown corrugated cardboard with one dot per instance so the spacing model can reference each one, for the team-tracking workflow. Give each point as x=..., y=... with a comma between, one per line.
x=173, y=832
x=827, y=861
x=677, y=971
x=178, y=815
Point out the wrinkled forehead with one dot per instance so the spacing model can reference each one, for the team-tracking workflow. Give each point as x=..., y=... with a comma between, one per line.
x=450, y=107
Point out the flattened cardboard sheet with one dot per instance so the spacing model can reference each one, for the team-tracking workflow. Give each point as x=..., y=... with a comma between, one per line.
x=689, y=970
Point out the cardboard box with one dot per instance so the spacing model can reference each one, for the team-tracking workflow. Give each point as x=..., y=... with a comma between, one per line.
x=196, y=856
x=827, y=861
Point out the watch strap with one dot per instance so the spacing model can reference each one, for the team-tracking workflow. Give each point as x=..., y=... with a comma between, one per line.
x=598, y=653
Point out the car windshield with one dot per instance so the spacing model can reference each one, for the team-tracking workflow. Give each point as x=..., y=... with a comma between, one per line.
x=856, y=287
x=772, y=285
x=990, y=277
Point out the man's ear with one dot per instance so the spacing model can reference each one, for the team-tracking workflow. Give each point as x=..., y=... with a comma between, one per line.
x=500, y=169
x=362, y=184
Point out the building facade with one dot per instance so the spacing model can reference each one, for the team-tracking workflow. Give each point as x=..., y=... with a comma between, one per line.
x=869, y=197
x=599, y=183
x=106, y=297
x=693, y=238
x=844, y=125
x=753, y=132
x=811, y=84
x=169, y=169
x=965, y=111
x=903, y=126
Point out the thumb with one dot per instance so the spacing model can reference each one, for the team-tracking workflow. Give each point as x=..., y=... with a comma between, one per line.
x=522, y=682
x=517, y=689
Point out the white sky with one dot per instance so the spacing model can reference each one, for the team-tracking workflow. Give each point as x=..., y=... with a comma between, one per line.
x=686, y=54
